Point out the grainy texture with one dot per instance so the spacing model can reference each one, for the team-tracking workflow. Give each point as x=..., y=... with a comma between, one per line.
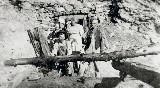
x=140, y=29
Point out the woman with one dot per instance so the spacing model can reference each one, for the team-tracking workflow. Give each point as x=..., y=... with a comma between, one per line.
x=76, y=32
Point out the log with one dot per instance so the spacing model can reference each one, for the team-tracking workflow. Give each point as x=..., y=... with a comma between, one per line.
x=118, y=55
x=76, y=12
x=147, y=74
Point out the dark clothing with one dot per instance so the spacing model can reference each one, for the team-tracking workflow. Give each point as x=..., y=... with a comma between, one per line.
x=114, y=9
x=52, y=35
x=61, y=51
x=97, y=37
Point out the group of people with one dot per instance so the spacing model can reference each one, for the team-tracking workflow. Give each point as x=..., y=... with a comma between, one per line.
x=69, y=37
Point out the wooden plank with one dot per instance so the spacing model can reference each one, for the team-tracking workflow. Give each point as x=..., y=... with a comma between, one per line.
x=43, y=43
x=34, y=43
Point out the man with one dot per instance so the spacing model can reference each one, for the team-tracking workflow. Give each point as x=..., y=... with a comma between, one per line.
x=60, y=25
x=94, y=33
x=94, y=37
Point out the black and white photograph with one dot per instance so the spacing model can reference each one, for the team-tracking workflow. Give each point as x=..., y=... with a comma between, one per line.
x=79, y=43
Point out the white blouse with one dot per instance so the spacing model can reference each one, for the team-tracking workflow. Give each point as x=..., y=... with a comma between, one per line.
x=77, y=29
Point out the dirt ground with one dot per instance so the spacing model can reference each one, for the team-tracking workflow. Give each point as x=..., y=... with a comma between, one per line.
x=110, y=79
x=72, y=82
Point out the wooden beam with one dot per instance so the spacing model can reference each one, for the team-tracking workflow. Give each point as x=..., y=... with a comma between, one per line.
x=147, y=74
x=118, y=55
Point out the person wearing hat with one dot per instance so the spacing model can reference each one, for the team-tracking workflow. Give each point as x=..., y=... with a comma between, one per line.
x=62, y=46
x=60, y=25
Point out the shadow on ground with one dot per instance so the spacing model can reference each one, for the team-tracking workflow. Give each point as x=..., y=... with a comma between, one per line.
x=71, y=82
x=109, y=82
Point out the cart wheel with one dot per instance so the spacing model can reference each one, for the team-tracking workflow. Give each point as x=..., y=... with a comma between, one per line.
x=122, y=75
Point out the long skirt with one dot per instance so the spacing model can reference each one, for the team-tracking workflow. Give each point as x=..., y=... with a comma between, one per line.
x=76, y=42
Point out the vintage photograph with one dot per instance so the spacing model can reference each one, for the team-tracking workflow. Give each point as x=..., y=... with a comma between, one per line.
x=79, y=43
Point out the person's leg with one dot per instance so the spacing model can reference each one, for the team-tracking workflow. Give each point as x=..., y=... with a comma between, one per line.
x=91, y=70
x=75, y=66
x=60, y=72
x=82, y=68
x=96, y=64
x=70, y=69
x=97, y=69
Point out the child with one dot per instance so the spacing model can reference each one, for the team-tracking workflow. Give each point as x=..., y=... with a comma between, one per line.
x=62, y=46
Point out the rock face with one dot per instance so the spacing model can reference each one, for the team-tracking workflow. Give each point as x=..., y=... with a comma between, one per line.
x=141, y=28
x=15, y=42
